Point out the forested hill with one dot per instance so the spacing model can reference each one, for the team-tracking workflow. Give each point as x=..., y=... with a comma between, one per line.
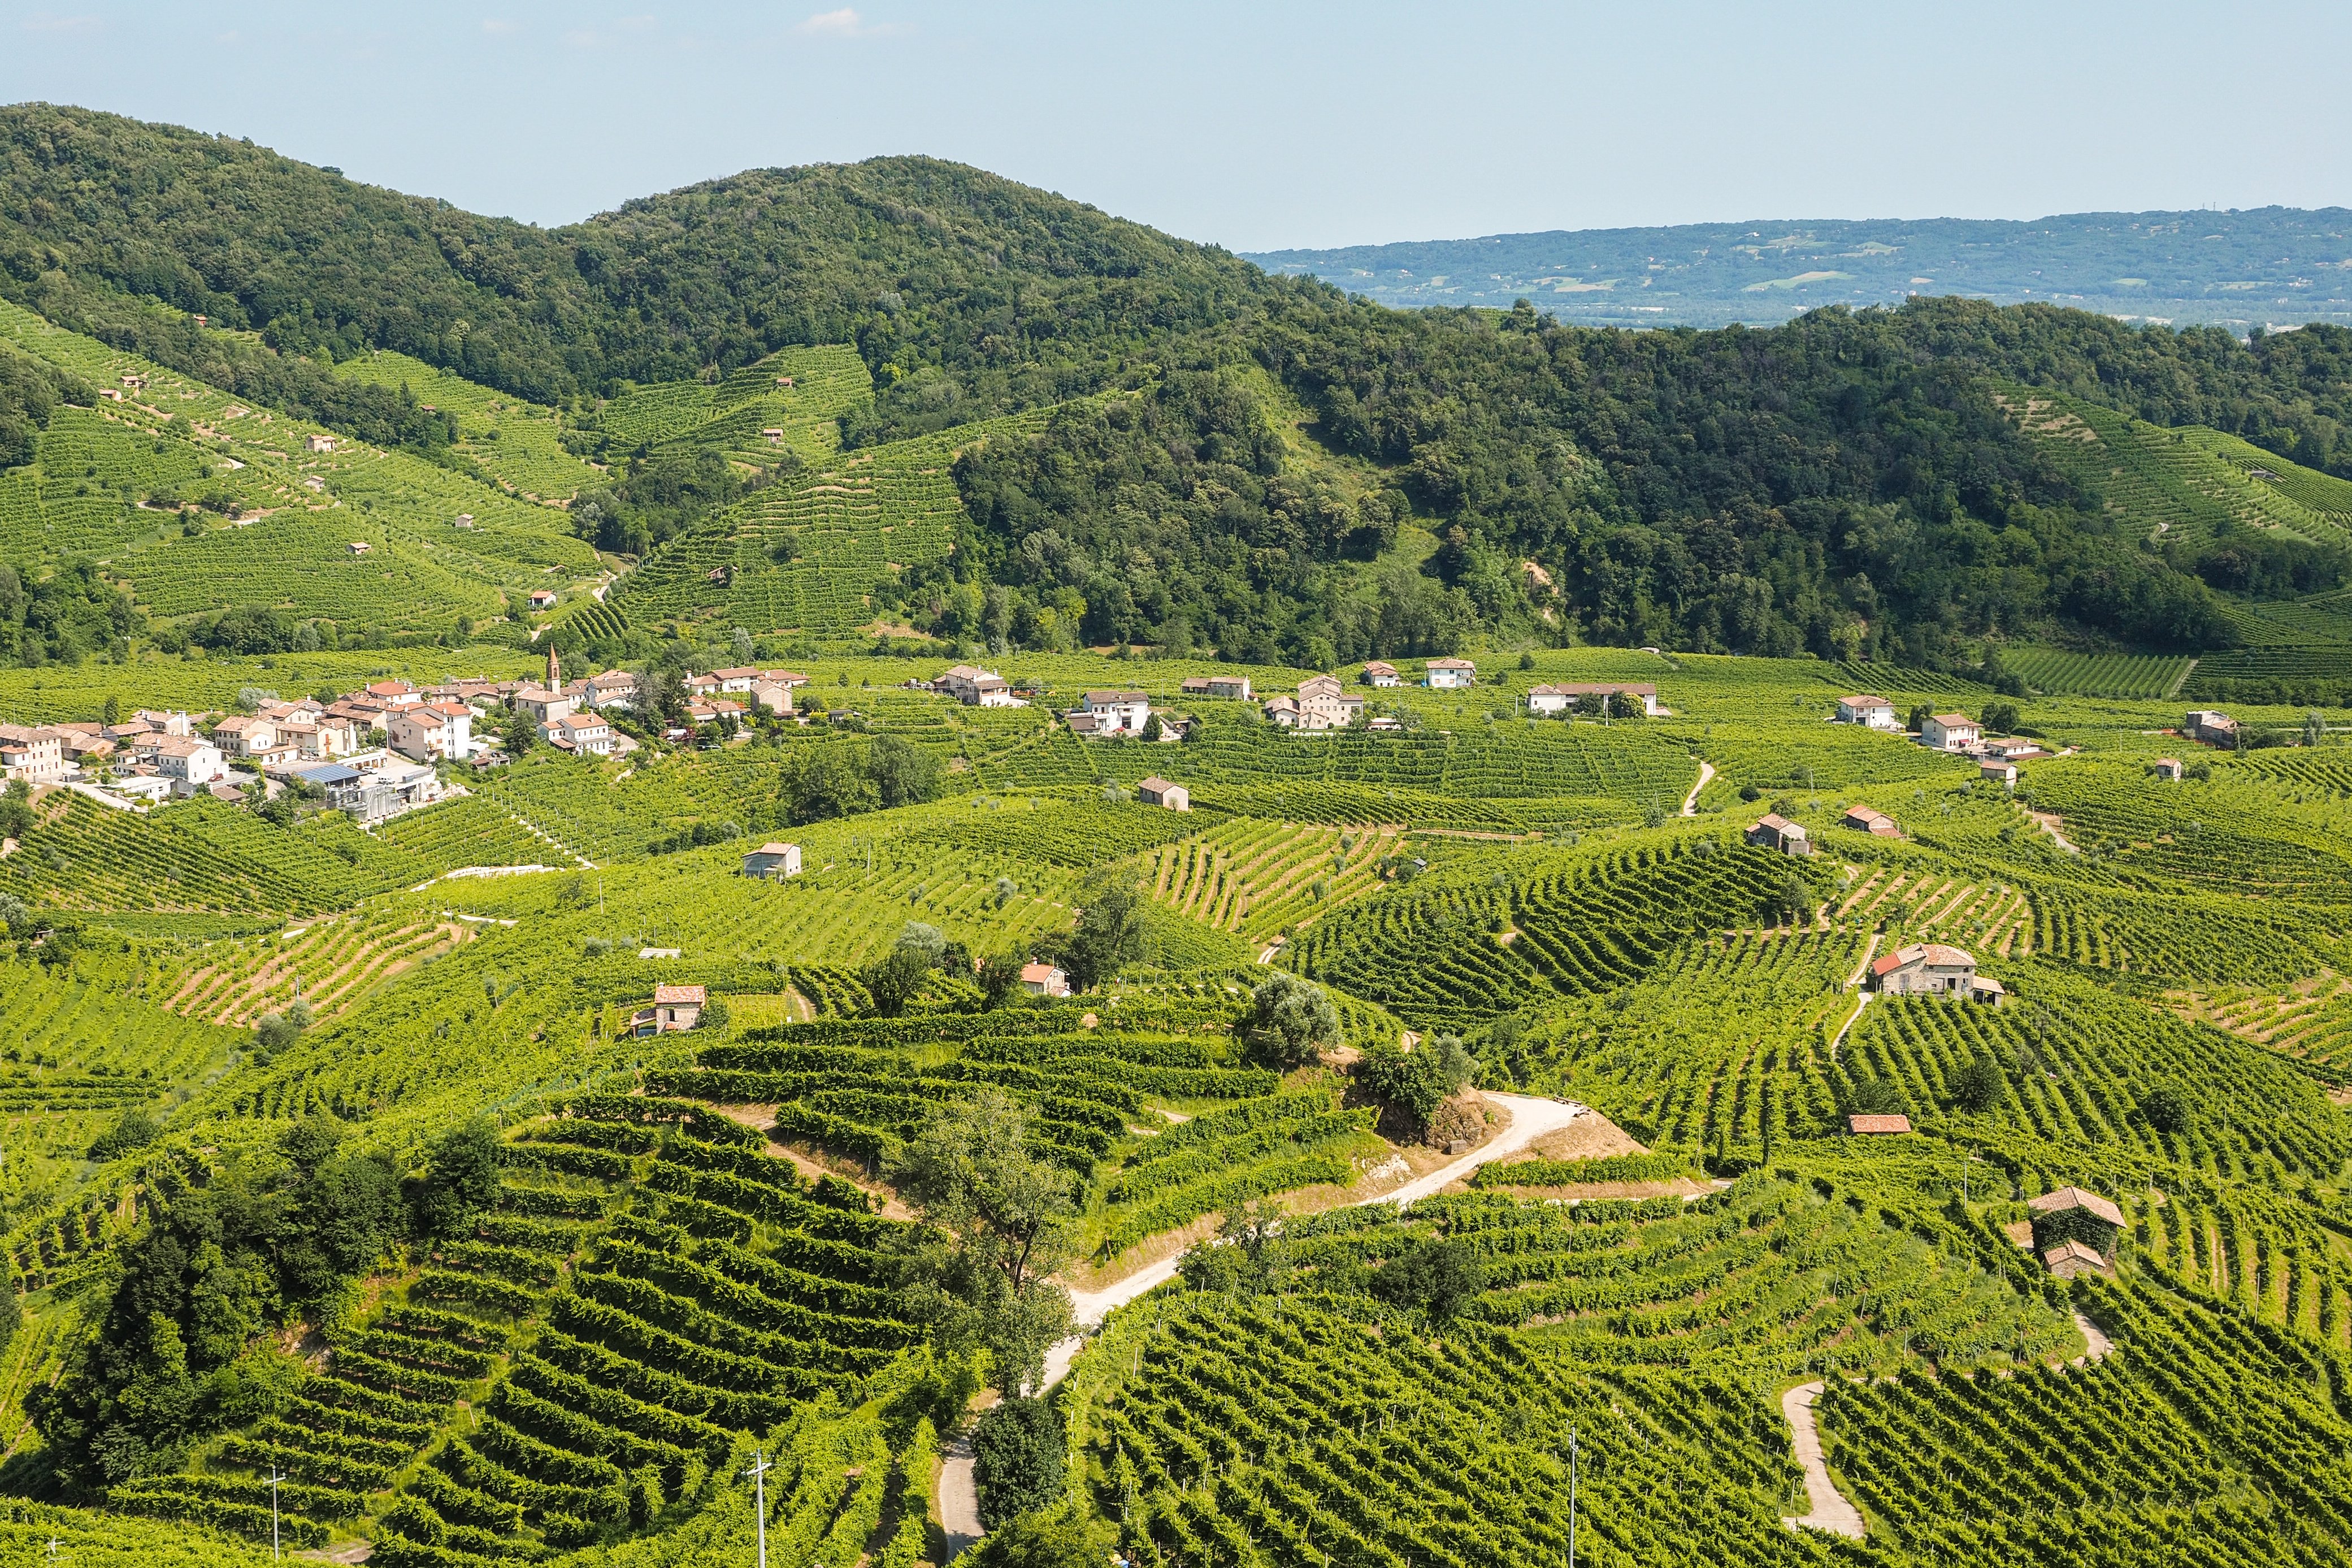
x=2279, y=266
x=1218, y=459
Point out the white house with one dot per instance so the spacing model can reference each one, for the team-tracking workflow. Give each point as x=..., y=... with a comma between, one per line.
x=165, y=723
x=738, y=679
x=1044, y=980
x=1874, y=712
x=1949, y=731
x=35, y=755
x=392, y=693
x=977, y=687
x=1932, y=968
x=543, y=598
x=1380, y=673
x=431, y=732
x=582, y=732
x=612, y=688
x=1118, y=712
x=1449, y=674
x=773, y=860
x=1618, y=696
x=189, y=762
x=1158, y=791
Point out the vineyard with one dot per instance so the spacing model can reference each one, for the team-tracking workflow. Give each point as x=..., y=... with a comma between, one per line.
x=2058, y=674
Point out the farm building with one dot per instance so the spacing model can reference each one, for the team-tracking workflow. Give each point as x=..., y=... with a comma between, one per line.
x=676, y=1009
x=773, y=860
x=1876, y=1126
x=1448, y=674
x=319, y=444
x=1774, y=832
x=775, y=434
x=1379, y=673
x=1158, y=791
x=1862, y=708
x=1997, y=770
x=2069, y=1259
x=543, y=598
x=2212, y=728
x=1232, y=687
x=1932, y=968
x=1949, y=731
x=2071, y=1215
x=1864, y=820
x=2169, y=767
x=1044, y=980
x=1616, y=696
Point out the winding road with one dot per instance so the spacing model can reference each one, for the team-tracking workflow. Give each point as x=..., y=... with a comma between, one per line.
x=1690, y=801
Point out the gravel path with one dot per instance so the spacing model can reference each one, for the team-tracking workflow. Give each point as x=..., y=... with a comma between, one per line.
x=1690, y=801
x=1829, y=1509
x=958, y=1498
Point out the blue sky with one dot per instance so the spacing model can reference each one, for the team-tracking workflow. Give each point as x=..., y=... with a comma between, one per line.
x=1266, y=125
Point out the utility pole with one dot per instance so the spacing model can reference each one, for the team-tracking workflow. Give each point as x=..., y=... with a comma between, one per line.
x=274, y=1478
x=759, y=1474
x=1571, y=1498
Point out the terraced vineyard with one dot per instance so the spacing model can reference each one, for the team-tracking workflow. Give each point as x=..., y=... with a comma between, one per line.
x=2097, y=674
x=519, y=444
x=1259, y=878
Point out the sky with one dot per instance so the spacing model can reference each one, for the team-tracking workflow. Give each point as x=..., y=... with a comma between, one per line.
x=1266, y=125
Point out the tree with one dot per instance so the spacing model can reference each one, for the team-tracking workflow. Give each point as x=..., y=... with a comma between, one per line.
x=1435, y=1277
x=893, y=979
x=278, y=1031
x=1292, y=1021
x=1416, y=1082
x=1976, y=1085
x=1875, y=1097
x=1109, y=934
x=1919, y=715
x=2001, y=718
x=903, y=775
x=1000, y=1219
x=1248, y=1257
x=461, y=1177
x=1000, y=977
x=134, y=1129
x=1017, y=1462
x=2165, y=1108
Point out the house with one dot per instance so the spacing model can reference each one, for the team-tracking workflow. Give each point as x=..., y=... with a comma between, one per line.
x=190, y=763
x=1380, y=673
x=1925, y=968
x=543, y=705
x=676, y=1009
x=1774, y=832
x=1615, y=697
x=1449, y=674
x=171, y=723
x=1084, y=724
x=35, y=755
x=242, y=736
x=737, y=680
x=359, y=547
x=2072, y=1214
x=1862, y=820
x=1877, y=1126
x=392, y=693
x=767, y=692
x=1235, y=687
x=614, y=689
x=543, y=598
x=582, y=733
x=977, y=689
x=431, y=732
x=1118, y=712
x=2213, y=728
x=773, y=860
x=1323, y=710
x=2069, y=1259
x=1868, y=710
x=786, y=678
x=2169, y=767
x=1158, y=792
x=1994, y=770
x=1949, y=731
x=2011, y=747
x=701, y=686
x=316, y=485
x=318, y=444
x=1044, y=980
x=336, y=734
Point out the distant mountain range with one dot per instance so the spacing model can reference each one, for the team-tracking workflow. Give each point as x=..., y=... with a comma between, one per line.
x=2271, y=267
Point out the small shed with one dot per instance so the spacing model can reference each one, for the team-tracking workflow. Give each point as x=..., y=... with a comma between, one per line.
x=1158, y=791
x=1774, y=832
x=543, y=598
x=1864, y=820
x=775, y=434
x=319, y=443
x=2070, y=1214
x=2169, y=767
x=2003, y=773
x=2069, y=1259
x=359, y=547
x=676, y=1009
x=1044, y=980
x=1877, y=1126
x=774, y=861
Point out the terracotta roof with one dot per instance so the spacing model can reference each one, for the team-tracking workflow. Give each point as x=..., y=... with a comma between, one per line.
x=1094, y=698
x=1938, y=953
x=1158, y=785
x=1866, y=814
x=2073, y=1250
x=1864, y=699
x=677, y=994
x=1952, y=718
x=1038, y=972
x=1379, y=667
x=772, y=848
x=1772, y=819
x=1866, y=1124
x=2072, y=1197
x=1450, y=665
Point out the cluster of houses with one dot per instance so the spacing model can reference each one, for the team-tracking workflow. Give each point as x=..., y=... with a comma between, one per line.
x=375, y=752
x=1997, y=756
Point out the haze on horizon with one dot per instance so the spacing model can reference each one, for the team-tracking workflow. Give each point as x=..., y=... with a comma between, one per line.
x=1318, y=125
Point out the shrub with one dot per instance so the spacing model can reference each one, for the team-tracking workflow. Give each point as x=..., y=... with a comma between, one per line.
x=1017, y=1460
